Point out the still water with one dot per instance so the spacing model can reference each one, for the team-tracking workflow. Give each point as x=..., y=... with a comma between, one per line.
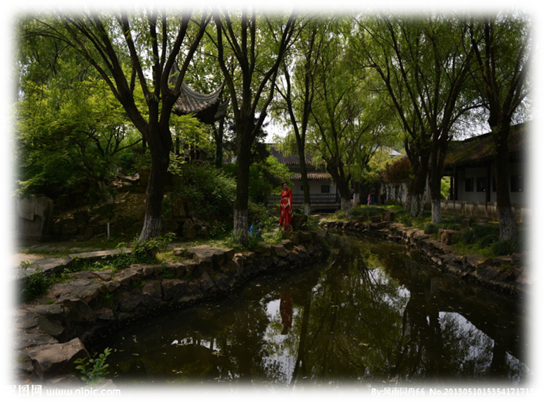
x=373, y=313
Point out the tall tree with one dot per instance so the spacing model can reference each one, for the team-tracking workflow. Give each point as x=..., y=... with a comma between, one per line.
x=423, y=63
x=297, y=89
x=256, y=45
x=349, y=117
x=135, y=52
x=502, y=43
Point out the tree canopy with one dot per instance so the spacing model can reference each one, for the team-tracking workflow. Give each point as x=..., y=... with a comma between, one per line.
x=93, y=85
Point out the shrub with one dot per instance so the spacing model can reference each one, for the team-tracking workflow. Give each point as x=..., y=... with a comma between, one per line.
x=430, y=228
x=211, y=190
x=95, y=370
x=501, y=248
x=405, y=219
x=485, y=234
x=487, y=240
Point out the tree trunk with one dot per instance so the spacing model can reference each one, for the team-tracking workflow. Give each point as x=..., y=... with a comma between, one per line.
x=356, y=194
x=345, y=193
x=345, y=205
x=218, y=132
x=304, y=176
x=507, y=221
x=154, y=196
x=436, y=211
x=439, y=148
x=242, y=180
x=415, y=199
x=434, y=185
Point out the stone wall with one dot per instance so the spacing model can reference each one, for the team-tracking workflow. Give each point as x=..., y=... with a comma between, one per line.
x=75, y=312
x=504, y=273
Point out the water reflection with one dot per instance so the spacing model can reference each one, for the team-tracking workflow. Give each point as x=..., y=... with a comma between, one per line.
x=373, y=313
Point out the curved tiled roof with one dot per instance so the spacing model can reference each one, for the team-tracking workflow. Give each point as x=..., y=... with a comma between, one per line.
x=206, y=107
x=480, y=149
x=290, y=160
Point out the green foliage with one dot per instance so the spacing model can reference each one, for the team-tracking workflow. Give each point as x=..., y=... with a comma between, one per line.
x=404, y=218
x=34, y=285
x=430, y=228
x=211, y=190
x=190, y=132
x=501, y=248
x=265, y=177
x=484, y=239
x=339, y=215
x=507, y=247
x=62, y=146
x=95, y=370
x=146, y=250
x=482, y=234
x=365, y=212
x=273, y=237
x=445, y=187
x=142, y=161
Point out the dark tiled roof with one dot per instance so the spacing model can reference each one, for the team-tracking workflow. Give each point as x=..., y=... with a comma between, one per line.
x=206, y=107
x=312, y=176
x=289, y=160
x=480, y=149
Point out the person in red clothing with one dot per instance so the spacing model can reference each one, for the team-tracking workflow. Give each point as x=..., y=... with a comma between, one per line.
x=286, y=207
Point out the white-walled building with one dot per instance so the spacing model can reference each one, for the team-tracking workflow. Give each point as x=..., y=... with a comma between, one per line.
x=471, y=166
x=323, y=192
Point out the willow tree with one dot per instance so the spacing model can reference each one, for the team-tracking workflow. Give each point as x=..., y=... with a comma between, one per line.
x=254, y=46
x=134, y=54
x=425, y=67
x=502, y=43
x=297, y=89
x=349, y=117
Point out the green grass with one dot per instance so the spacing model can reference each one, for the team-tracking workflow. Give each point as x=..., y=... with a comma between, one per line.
x=478, y=239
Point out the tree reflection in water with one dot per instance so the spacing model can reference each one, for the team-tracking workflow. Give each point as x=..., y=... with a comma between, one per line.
x=373, y=313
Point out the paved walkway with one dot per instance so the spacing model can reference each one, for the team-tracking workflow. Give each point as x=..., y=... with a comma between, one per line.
x=26, y=261
x=18, y=265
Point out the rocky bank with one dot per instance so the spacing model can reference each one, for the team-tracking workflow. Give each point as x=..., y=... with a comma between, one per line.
x=51, y=333
x=505, y=273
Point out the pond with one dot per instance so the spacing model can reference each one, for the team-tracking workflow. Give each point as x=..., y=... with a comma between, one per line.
x=373, y=314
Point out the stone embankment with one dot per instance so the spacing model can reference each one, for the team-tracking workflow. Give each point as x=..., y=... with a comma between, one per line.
x=505, y=273
x=52, y=332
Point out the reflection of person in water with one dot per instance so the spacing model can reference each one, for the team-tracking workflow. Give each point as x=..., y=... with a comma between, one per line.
x=286, y=311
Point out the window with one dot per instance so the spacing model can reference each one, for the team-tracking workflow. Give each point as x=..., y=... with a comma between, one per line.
x=469, y=185
x=325, y=189
x=480, y=184
x=301, y=187
x=516, y=184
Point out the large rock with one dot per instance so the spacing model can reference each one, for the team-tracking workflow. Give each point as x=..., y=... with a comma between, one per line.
x=446, y=236
x=79, y=311
x=293, y=236
x=86, y=290
x=34, y=337
x=213, y=255
x=35, y=217
x=55, y=359
x=179, y=290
